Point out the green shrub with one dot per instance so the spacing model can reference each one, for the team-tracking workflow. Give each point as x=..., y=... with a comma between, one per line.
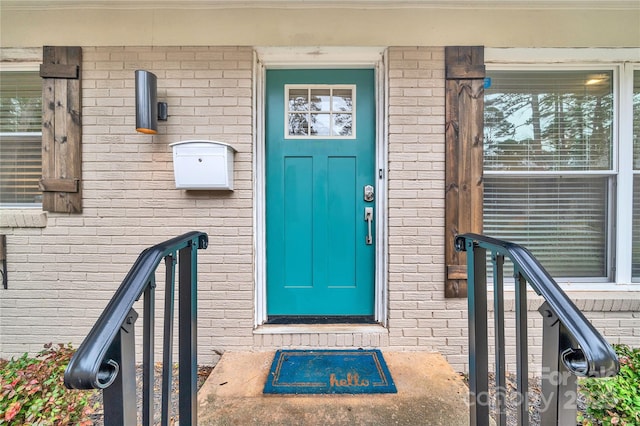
x=32, y=390
x=615, y=400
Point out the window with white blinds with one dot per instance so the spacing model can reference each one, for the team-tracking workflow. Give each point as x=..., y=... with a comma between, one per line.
x=20, y=138
x=548, y=165
x=635, y=269
x=562, y=220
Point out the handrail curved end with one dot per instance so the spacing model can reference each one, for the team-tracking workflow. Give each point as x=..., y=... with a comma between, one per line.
x=80, y=375
x=575, y=361
x=460, y=242
x=203, y=241
x=605, y=364
x=106, y=374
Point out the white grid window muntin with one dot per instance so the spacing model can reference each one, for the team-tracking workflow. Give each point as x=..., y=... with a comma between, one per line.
x=322, y=111
x=534, y=190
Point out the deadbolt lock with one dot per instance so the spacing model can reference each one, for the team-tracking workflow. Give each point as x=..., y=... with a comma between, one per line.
x=368, y=193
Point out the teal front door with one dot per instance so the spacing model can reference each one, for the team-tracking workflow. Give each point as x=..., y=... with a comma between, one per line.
x=320, y=195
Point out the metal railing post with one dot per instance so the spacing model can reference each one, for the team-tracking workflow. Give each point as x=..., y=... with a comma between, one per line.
x=187, y=338
x=167, y=339
x=120, y=398
x=568, y=393
x=478, y=341
x=498, y=317
x=559, y=386
x=148, y=344
x=522, y=348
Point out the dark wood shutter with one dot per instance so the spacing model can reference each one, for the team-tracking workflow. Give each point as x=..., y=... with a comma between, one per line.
x=464, y=123
x=61, y=129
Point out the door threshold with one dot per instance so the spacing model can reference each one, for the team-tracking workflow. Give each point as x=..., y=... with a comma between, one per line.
x=320, y=319
x=376, y=328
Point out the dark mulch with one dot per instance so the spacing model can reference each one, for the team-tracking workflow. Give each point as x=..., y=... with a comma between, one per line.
x=203, y=372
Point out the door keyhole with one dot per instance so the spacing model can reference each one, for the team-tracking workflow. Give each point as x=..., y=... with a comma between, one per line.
x=368, y=193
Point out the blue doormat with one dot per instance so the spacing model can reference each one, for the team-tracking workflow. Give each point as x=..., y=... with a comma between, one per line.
x=329, y=372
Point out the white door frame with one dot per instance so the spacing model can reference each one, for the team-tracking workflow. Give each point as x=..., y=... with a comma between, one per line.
x=320, y=57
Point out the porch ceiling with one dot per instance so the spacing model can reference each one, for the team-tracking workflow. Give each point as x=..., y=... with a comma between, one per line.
x=378, y=4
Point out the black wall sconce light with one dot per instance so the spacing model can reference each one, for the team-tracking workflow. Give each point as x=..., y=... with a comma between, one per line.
x=148, y=110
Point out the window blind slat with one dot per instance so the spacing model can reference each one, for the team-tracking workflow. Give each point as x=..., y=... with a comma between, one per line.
x=561, y=220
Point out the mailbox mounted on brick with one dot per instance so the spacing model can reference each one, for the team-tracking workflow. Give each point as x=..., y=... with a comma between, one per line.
x=203, y=165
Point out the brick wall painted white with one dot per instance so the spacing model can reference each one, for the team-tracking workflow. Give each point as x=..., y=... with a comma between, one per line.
x=62, y=276
x=419, y=316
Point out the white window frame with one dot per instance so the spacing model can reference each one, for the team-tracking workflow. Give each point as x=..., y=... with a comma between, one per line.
x=622, y=61
x=309, y=87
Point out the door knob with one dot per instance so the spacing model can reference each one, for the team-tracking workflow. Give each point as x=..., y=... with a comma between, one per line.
x=368, y=217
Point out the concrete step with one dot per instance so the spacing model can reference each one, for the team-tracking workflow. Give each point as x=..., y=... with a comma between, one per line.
x=429, y=393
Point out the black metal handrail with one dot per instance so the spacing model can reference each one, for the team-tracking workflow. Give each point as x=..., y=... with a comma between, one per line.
x=570, y=342
x=106, y=358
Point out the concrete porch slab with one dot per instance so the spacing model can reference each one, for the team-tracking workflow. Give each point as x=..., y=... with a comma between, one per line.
x=429, y=393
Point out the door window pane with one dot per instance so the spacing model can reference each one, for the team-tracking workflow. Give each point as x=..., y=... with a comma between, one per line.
x=342, y=124
x=342, y=100
x=320, y=125
x=298, y=100
x=298, y=124
x=320, y=100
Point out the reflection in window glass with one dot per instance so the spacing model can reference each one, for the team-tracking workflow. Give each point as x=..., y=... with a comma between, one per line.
x=298, y=100
x=320, y=99
x=320, y=125
x=324, y=111
x=636, y=120
x=342, y=100
x=549, y=121
x=298, y=125
x=342, y=124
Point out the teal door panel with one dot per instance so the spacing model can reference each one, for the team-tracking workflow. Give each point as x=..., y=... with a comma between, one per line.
x=318, y=259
